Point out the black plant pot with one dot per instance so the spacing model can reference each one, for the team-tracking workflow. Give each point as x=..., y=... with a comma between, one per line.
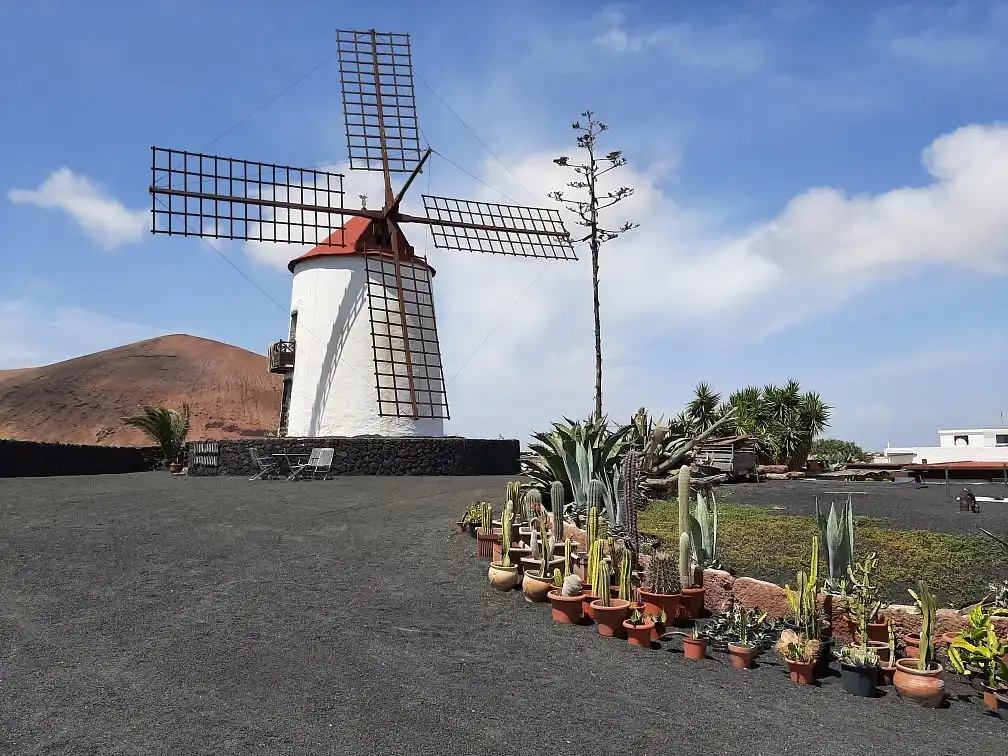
x=859, y=681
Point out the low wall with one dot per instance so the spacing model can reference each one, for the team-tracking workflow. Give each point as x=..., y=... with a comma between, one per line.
x=368, y=455
x=35, y=458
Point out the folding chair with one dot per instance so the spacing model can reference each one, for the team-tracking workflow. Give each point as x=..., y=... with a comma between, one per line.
x=266, y=466
x=320, y=460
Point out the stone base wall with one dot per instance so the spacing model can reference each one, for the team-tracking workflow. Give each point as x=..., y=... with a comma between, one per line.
x=35, y=458
x=369, y=455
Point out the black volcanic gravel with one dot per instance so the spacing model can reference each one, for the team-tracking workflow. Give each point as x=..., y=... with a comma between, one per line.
x=143, y=614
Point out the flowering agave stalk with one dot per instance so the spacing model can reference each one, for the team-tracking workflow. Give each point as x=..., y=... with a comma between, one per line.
x=836, y=532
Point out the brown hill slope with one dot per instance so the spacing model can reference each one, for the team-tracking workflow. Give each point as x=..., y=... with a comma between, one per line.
x=82, y=400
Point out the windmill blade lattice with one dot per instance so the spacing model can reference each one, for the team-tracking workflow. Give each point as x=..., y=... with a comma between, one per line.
x=379, y=100
x=518, y=230
x=228, y=198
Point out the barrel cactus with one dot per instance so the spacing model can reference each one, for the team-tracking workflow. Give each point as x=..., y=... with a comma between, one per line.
x=660, y=575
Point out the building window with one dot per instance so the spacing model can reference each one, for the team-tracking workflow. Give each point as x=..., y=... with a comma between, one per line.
x=1001, y=439
x=961, y=441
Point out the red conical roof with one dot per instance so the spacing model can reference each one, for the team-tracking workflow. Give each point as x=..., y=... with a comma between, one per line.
x=356, y=236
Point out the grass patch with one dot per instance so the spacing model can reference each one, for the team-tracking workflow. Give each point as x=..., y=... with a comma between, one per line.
x=760, y=543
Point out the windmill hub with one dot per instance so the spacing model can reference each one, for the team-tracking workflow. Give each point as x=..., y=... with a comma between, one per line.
x=362, y=354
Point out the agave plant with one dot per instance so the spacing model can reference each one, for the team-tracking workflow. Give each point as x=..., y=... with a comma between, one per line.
x=703, y=525
x=836, y=532
x=166, y=428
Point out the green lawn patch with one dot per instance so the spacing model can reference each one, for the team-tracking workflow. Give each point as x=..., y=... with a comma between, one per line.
x=760, y=543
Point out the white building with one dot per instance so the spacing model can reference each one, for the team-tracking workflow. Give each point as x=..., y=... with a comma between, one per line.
x=972, y=445
x=328, y=363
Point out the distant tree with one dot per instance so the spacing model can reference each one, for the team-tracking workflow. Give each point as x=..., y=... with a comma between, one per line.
x=166, y=428
x=587, y=210
x=835, y=451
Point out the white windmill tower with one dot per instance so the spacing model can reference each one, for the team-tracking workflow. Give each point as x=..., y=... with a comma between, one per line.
x=362, y=356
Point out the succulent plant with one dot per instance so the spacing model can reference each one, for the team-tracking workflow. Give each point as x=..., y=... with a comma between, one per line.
x=686, y=571
x=685, y=565
x=531, y=504
x=568, y=556
x=595, y=494
x=602, y=587
x=630, y=496
x=572, y=585
x=660, y=574
x=557, y=505
x=513, y=494
x=594, y=559
x=836, y=532
x=803, y=599
x=593, y=526
x=546, y=553
x=486, y=518
x=854, y=655
x=625, y=570
x=557, y=579
x=892, y=645
x=704, y=528
x=927, y=605
x=795, y=647
x=507, y=521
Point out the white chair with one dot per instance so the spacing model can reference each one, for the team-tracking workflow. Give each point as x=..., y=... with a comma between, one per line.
x=266, y=466
x=319, y=462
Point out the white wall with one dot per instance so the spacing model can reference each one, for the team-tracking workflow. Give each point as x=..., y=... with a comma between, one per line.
x=334, y=392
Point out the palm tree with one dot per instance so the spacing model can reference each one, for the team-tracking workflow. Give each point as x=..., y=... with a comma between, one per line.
x=166, y=428
x=702, y=411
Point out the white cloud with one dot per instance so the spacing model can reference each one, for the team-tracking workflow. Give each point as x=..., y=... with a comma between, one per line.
x=105, y=219
x=941, y=49
x=41, y=332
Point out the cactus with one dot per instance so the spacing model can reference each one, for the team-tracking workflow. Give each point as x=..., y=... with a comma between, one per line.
x=803, y=600
x=513, y=494
x=685, y=567
x=557, y=505
x=659, y=576
x=546, y=552
x=892, y=645
x=625, y=570
x=927, y=605
x=486, y=519
x=572, y=585
x=567, y=556
x=531, y=504
x=595, y=495
x=557, y=579
x=594, y=559
x=629, y=495
x=593, y=526
x=506, y=522
x=602, y=585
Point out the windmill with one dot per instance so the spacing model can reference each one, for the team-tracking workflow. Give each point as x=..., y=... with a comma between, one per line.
x=195, y=194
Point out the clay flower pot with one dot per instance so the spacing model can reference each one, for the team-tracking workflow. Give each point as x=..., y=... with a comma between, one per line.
x=694, y=648
x=656, y=603
x=878, y=631
x=991, y=698
x=536, y=588
x=485, y=544
x=800, y=672
x=912, y=643
x=610, y=618
x=886, y=674
x=691, y=603
x=924, y=687
x=639, y=635
x=461, y=527
x=568, y=610
x=587, y=599
x=741, y=656
x=503, y=578
x=947, y=638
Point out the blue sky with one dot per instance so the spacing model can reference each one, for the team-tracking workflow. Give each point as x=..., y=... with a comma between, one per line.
x=822, y=190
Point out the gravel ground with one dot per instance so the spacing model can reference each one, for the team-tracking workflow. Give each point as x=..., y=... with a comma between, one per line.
x=143, y=614
x=903, y=506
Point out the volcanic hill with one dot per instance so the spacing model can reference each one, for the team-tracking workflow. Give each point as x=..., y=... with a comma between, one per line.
x=228, y=389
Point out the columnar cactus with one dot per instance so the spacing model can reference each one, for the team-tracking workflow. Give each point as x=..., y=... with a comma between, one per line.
x=567, y=556
x=625, y=568
x=594, y=560
x=531, y=504
x=513, y=494
x=557, y=493
x=486, y=518
x=602, y=585
x=685, y=550
x=557, y=504
x=595, y=495
x=547, y=552
x=630, y=496
x=593, y=533
x=506, y=522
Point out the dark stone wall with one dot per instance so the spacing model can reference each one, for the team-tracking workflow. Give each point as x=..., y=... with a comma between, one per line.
x=35, y=458
x=370, y=455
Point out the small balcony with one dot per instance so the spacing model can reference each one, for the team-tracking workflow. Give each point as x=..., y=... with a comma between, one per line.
x=281, y=357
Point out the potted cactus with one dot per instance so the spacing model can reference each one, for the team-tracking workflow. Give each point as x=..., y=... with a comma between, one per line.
x=800, y=654
x=806, y=616
x=695, y=645
x=660, y=593
x=741, y=646
x=859, y=666
x=502, y=574
x=638, y=627
x=887, y=657
x=979, y=653
x=566, y=596
x=919, y=679
x=609, y=612
x=470, y=520
x=485, y=537
x=596, y=547
x=862, y=599
x=537, y=583
x=690, y=572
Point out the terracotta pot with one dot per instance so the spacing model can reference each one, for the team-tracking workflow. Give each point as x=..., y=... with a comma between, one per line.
x=535, y=588
x=800, y=672
x=656, y=603
x=694, y=648
x=461, y=527
x=924, y=687
x=503, y=578
x=741, y=656
x=691, y=603
x=912, y=643
x=587, y=599
x=610, y=618
x=878, y=631
x=638, y=635
x=175, y=468
x=886, y=674
x=992, y=700
x=485, y=544
x=948, y=638
x=568, y=610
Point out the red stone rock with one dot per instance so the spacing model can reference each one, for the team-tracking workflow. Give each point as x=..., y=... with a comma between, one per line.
x=717, y=589
x=769, y=597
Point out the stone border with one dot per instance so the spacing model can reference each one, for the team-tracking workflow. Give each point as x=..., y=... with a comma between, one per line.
x=22, y=459
x=374, y=455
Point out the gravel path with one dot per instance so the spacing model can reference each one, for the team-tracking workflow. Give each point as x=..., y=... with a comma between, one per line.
x=148, y=615
x=903, y=506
